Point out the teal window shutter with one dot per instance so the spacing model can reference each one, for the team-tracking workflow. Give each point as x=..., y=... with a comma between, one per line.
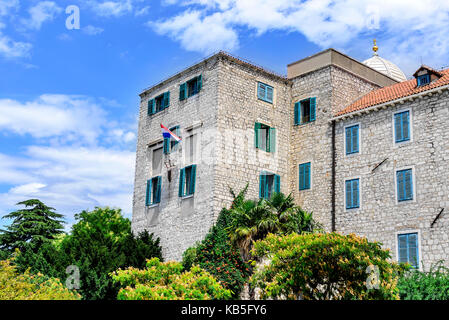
x=182, y=91
x=200, y=82
x=304, y=176
x=262, y=183
x=297, y=107
x=148, y=193
x=352, y=139
x=174, y=143
x=257, y=127
x=166, y=145
x=408, y=249
x=404, y=181
x=158, y=192
x=181, y=182
x=193, y=179
x=312, y=109
x=352, y=194
x=151, y=107
x=261, y=91
x=277, y=183
x=272, y=142
x=269, y=97
x=166, y=100
x=402, y=126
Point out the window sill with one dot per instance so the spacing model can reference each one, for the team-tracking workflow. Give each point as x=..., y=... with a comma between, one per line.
x=150, y=206
x=304, y=123
x=267, y=101
x=187, y=197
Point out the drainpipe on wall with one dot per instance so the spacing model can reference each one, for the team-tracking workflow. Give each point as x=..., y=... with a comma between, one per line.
x=333, y=177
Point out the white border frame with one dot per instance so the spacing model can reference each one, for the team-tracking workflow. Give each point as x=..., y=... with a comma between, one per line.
x=311, y=175
x=415, y=195
x=360, y=139
x=360, y=194
x=418, y=231
x=410, y=125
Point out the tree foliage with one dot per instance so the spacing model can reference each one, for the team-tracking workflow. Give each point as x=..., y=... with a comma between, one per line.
x=323, y=266
x=27, y=286
x=31, y=227
x=100, y=242
x=167, y=281
x=219, y=257
x=431, y=285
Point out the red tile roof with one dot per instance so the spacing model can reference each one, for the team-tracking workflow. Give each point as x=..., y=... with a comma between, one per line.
x=394, y=92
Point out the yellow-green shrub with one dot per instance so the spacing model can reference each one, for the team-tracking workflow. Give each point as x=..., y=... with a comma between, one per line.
x=167, y=281
x=324, y=266
x=25, y=286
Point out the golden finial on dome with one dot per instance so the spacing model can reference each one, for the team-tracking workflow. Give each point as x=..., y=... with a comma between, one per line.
x=375, y=47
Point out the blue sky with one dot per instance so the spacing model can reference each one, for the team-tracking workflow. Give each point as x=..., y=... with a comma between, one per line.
x=69, y=98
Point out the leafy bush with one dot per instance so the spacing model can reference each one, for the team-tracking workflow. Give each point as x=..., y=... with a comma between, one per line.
x=219, y=257
x=16, y=286
x=166, y=281
x=432, y=285
x=323, y=266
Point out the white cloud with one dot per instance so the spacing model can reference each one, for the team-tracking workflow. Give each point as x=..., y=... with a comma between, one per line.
x=40, y=13
x=27, y=189
x=113, y=8
x=92, y=31
x=68, y=118
x=13, y=49
x=7, y=6
x=409, y=28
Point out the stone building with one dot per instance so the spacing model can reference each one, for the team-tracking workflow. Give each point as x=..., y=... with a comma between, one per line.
x=355, y=143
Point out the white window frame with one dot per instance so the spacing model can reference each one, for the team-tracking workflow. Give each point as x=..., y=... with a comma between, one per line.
x=415, y=195
x=418, y=231
x=398, y=144
x=360, y=194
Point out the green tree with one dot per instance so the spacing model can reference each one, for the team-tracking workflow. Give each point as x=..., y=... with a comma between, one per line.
x=31, y=227
x=101, y=242
x=168, y=281
x=217, y=255
x=319, y=266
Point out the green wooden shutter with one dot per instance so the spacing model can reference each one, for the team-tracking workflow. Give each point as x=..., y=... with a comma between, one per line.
x=301, y=177
x=348, y=194
x=348, y=141
x=193, y=179
x=182, y=91
x=312, y=109
x=398, y=127
x=400, y=185
x=166, y=100
x=277, y=183
x=150, y=107
x=148, y=193
x=272, y=142
x=158, y=190
x=296, y=115
x=408, y=185
x=257, y=127
x=200, y=82
x=261, y=91
x=355, y=139
x=406, y=126
x=269, y=94
x=307, y=175
x=166, y=145
x=262, y=183
x=355, y=193
x=181, y=182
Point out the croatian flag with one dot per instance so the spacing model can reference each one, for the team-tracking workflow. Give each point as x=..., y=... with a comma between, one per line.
x=168, y=134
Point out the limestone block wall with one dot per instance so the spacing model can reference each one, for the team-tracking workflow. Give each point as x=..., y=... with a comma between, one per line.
x=178, y=222
x=381, y=217
x=238, y=161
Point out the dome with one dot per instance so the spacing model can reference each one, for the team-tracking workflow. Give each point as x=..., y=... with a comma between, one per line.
x=384, y=66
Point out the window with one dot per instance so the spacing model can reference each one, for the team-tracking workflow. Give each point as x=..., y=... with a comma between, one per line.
x=408, y=249
x=190, y=147
x=423, y=79
x=268, y=184
x=352, y=194
x=171, y=144
x=157, y=161
x=404, y=181
x=153, y=194
x=190, y=88
x=402, y=126
x=264, y=92
x=352, y=139
x=305, y=111
x=304, y=176
x=159, y=103
x=187, y=181
x=265, y=137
